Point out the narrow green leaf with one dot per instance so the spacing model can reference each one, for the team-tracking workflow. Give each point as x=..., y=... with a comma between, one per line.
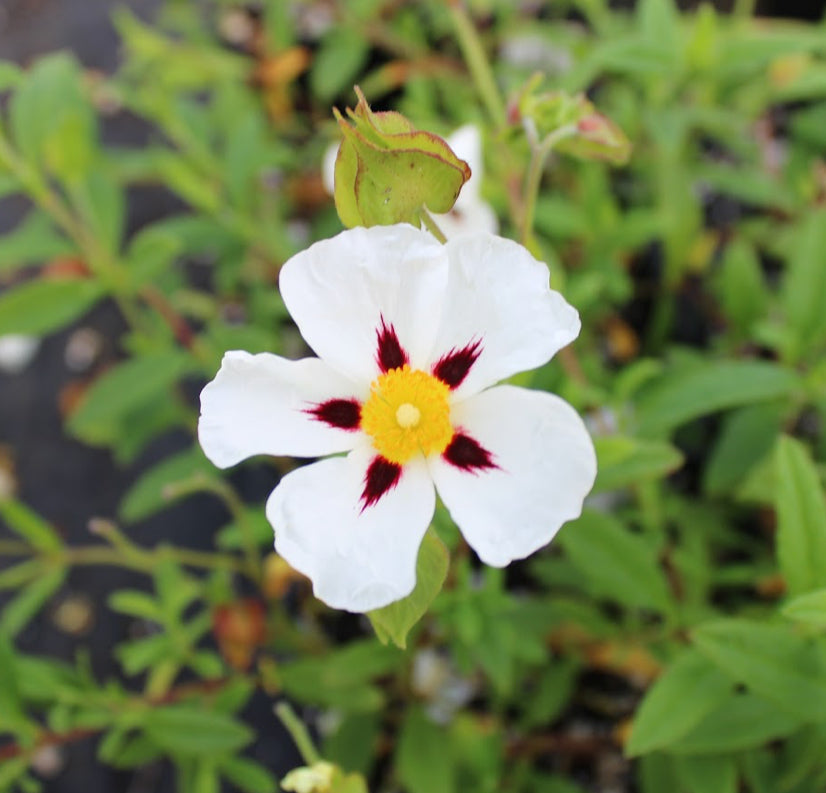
x=10, y=75
x=29, y=525
x=747, y=437
x=41, y=306
x=248, y=776
x=393, y=622
x=135, y=604
x=19, y=612
x=624, y=461
x=804, y=283
x=801, y=518
x=772, y=660
x=742, y=290
x=125, y=388
x=33, y=241
x=51, y=120
x=15, y=576
x=743, y=721
x=682, y=395
x=667, y=713
x=340, y=57
x=809, y=608
x=155, y=489
x=707, y=773
x=423, y=760
x=194, y=731
x=616, y=563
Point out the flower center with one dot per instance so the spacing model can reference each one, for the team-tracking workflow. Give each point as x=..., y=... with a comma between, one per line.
x=407, y=412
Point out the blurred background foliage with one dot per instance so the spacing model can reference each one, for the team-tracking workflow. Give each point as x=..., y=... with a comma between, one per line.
x=671, y=639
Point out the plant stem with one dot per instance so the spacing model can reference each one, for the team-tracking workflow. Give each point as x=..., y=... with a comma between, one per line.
x=533, y=178
x=477, y=62
x=298, y=732
x=432, y=226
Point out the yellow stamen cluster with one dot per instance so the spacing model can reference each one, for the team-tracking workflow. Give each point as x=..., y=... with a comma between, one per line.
x=407, y=412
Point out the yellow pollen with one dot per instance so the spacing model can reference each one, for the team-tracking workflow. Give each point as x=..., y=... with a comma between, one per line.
x=408, y=412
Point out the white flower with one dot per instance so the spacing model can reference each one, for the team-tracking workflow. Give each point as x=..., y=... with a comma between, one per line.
x=411, y=337
x=470, y=213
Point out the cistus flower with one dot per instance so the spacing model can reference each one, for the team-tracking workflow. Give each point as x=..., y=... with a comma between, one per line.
x=411, y=338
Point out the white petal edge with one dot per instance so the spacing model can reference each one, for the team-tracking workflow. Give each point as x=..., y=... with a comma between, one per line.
x=337, y=291
x=499, y=294
x=358, y=559
x=256, y=405
x=546, y=467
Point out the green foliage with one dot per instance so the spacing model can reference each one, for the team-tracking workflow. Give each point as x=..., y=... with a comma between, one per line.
x=680, y=620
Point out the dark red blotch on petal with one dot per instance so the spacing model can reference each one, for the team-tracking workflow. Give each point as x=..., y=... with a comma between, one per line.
x=453, y=366
x=466, y=453
x=381, y=476
x=344, y=414
x=389, y=353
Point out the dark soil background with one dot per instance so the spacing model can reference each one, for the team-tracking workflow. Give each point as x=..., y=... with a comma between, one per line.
x=69, y=483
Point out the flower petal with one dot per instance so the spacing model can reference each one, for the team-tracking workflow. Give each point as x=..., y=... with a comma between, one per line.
x=470, y=213
x=358, y=557
x=544, y=467
x=498, y=294
x=261, y=404
x=339, y=290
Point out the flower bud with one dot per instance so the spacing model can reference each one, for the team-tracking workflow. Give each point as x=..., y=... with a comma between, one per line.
x=387, y=170
x=585, y=133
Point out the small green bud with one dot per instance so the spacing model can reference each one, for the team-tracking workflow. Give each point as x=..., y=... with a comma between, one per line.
x=582, y=131
x=387, y=170
x=323, y=777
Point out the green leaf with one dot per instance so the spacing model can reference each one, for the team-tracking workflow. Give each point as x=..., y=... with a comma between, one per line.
x=51, y=120
x=16, y=575
x=195, y=731
x=667, y=713
x=123, y=389
x=743, y=721
x=151, y=252
x=354, y=742
x=135, y=604
x=805, y=283
x=423, y=761
x=624, y=461
x=801, y=518
x=742, y=289
x=18, y=613
x=772, y=661
x=10, y=75
x=42, y=306
x=248, y=776
x=809, y=608
x=707, y=773
x=101, y=201
x=339, y=59
x=747, y=437
x=393, y=622
x=341, y=678
x=155, y=489
x=616, y=563
x=29, y=525
x=33, y=241
x=682, y=395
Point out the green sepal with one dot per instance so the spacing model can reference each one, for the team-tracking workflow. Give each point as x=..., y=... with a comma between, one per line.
x=394, y=622
x=387, y=170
